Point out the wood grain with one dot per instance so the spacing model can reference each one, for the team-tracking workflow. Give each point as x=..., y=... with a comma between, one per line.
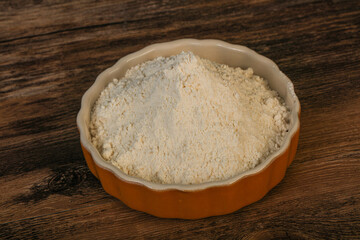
x=51, y=52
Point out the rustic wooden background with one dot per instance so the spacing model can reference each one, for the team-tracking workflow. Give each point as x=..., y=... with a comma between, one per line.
x=51, y=52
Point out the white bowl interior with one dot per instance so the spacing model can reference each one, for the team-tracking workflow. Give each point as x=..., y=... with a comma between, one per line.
x=214, y=50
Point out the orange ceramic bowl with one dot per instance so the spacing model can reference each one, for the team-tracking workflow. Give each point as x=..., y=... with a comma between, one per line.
x=195, y=200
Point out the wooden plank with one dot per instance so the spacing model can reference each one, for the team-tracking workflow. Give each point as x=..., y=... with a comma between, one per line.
x=287, y=212
x=24, y=19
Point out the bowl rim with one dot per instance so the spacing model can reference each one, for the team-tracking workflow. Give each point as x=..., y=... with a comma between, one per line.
x=85, y=104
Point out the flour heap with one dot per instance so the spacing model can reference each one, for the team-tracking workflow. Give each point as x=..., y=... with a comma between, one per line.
x=187, y=120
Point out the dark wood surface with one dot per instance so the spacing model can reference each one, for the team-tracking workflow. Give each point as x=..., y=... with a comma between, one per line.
x=51, y=52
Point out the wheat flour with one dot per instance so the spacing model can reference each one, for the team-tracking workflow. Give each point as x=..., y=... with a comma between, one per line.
x=187, y=120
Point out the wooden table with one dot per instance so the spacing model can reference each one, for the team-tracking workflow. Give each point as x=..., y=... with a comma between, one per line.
x=50, y=53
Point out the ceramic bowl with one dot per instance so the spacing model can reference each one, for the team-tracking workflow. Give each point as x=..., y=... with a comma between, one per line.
x=196, y=200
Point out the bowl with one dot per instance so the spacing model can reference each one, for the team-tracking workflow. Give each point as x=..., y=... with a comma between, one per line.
x=193, y=201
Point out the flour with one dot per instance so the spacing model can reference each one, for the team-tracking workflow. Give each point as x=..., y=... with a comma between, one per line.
x=187, y=120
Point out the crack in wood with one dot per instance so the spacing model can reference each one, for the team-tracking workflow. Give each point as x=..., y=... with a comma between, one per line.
x=67, y=180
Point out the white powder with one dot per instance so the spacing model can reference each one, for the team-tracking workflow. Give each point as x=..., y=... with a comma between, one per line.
x=187, y=120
